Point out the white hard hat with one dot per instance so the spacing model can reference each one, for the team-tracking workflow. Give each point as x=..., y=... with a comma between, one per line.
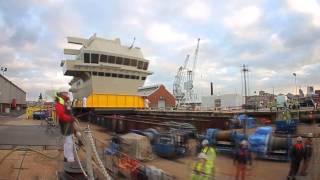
x=299, y=139
x=310, y=135
x=244, y=143
x=202, y=156
x=205, y=142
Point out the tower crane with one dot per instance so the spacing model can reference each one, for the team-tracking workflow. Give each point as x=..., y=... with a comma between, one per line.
x=191, y=96
x=177, y=88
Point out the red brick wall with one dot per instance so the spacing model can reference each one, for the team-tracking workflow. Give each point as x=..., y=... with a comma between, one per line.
x=161, y=92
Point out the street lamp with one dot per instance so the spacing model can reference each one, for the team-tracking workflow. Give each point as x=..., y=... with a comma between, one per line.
x=4, y=69
x=295, y=81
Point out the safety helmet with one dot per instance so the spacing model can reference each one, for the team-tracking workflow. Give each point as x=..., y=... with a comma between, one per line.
x=299, y=139
x=202, y=156
x=310, y=135
x=244, y=143
x=205, y=142
x=64, y=95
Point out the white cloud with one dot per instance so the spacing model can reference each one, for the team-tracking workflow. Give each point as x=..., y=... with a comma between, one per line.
x=310, y=7
x=164, y=33
x=198, y=11
x=244, y=17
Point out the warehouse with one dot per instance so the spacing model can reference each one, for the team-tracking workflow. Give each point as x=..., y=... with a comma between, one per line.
x=11, y=96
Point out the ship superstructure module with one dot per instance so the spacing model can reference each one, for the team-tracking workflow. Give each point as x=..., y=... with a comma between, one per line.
x=106, y=74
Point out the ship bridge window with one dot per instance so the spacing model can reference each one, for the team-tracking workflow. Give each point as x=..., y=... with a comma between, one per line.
x=114, y=75
x=140, y=65
x=132, y=77
x=112, y=59
x=145, y=65
x=101, y=73
x=126, y=61
x=143, y=78
x=127, y=76
x=95, y=58
x=94, y=73
x=119, y=60
x=120, y=75
x=103, y=58
x=86, y=58
x=107, y=74
x=133, y=62
x=137, y=77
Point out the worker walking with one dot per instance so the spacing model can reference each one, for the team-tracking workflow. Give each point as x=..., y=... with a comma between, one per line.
x=203, y=169
x=307, y=154
x=296, y=155
x=63, y=110
x=242, y=157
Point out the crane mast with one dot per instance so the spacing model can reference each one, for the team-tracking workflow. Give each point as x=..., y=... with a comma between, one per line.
x=183, y=83
x=179, y=78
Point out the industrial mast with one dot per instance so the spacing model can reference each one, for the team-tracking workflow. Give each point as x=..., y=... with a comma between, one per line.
x=184, y=78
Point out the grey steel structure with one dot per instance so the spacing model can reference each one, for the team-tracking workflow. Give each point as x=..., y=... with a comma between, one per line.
x=10, y=92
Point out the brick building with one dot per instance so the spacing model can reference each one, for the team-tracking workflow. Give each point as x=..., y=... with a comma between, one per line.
x=157, y=96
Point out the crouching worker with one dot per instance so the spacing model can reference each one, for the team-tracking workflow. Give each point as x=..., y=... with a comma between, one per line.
x=203, y=168
x=63, y=110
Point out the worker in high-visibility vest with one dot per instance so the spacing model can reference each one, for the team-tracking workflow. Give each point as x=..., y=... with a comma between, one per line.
x=203, y=168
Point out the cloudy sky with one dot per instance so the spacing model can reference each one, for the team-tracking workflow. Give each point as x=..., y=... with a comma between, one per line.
x=274, y=38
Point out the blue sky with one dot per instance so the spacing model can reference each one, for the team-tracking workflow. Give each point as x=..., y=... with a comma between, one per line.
x=275, y=38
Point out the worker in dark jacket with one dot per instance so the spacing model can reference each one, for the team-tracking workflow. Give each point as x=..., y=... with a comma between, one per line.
x=63, y=110
x=307, y=154
x=242, y=157
x=296, y=155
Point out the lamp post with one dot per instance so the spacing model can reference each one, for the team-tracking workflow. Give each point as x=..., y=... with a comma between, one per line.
x=4, y=69
x=297, y=104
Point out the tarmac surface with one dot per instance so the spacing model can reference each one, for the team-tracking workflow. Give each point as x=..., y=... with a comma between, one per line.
x=23, y=164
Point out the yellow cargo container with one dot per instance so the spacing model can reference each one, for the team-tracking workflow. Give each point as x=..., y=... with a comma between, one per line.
x=112, y=101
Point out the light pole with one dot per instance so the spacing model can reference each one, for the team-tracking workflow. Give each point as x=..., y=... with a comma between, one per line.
x=298, y=99
x=295, y=81
x=4, y=69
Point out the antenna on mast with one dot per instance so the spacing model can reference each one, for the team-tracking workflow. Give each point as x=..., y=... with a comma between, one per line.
x=134, y=40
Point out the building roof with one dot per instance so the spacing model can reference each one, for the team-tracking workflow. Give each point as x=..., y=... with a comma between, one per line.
x=11, y=83
x=98, y=44
x=148, y=90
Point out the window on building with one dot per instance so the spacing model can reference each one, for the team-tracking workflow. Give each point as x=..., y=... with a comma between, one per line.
x=126, y=62
x=127, y=76
x=112, y=60
x=145, y=65
x=103, y=58
x=140, y=64
x=107, y=74
x=133, y=62
x=143, y=78
x=119, y=60
x=86, y=58
x=101, y=73
x=132, y=77
x=95, y=58
x=114, y=75
x=120, y=75
x=94, y=73
x=137, y=77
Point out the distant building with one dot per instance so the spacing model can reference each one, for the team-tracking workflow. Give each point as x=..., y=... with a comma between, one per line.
x=261, y=100
x=11, y=95
x=157, y=96
x=224, y=101
x=310, y=91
